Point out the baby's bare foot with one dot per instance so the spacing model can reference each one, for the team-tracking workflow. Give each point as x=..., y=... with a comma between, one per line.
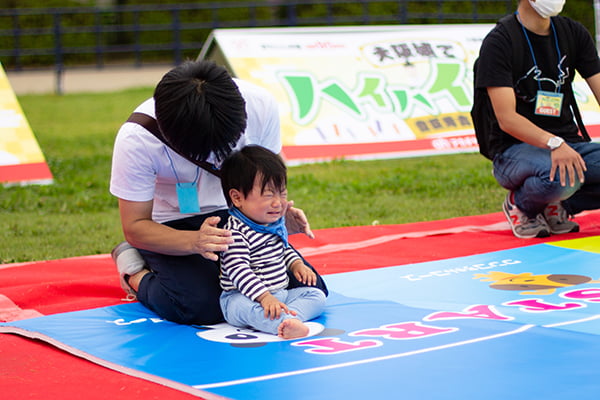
x=292, y=328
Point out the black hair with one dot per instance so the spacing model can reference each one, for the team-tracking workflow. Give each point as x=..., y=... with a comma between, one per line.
x=200, y=110
x=240, y=169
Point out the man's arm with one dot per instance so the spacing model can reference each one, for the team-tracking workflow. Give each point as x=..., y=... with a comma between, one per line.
x=565, y=160
x=142, y=232
x=504, y=104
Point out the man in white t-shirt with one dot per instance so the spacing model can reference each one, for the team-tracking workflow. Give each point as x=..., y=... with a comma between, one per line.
x=170, y=198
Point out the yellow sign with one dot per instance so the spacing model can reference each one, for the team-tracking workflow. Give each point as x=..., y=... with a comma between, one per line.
x=21, y=159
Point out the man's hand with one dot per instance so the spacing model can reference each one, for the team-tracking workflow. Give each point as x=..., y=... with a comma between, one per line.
x=296, y=221
x=565, y=160
x=272, y=306
x=568, y=163
x=210, y=239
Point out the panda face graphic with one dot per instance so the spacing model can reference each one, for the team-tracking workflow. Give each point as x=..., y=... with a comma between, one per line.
x=246, y=337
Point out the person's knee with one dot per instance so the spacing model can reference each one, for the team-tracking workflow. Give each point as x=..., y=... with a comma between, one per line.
x=320, y=295
x=188, y=311
x=555, y=191
x=207, y=316
x=202, y=311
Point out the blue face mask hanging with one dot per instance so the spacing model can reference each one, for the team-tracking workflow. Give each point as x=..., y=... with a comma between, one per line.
x=276, y=228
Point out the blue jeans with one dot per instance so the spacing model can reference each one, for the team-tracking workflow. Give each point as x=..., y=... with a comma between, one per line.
x=240, y=311
x=525, y=170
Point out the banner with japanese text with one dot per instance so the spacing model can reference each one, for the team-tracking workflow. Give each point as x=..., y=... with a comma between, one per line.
x=367, y=92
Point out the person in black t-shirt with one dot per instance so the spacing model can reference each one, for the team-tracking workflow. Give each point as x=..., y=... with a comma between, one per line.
x=550, y=171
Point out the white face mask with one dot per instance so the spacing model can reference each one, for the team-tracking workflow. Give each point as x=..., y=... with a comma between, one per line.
x=547, y=8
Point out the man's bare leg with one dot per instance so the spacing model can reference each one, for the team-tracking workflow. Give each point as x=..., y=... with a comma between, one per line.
x=135, y=279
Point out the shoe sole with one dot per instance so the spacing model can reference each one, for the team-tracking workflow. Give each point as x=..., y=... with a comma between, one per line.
x=559, y=232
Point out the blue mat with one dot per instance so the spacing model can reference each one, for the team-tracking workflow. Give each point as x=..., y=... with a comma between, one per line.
x=513, y=324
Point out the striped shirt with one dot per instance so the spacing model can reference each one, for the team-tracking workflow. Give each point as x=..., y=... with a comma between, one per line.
x=256, y=262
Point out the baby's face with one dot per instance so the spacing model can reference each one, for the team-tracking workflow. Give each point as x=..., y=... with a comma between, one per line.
x=264, y=206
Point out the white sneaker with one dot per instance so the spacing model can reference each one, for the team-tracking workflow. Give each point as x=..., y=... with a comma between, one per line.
x=522, y=226
x=558, y=219
x=129, y=262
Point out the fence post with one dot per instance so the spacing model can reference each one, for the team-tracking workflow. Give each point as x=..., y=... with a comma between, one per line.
x=137, y=37
x=58, y=56
x=402, y=12
x=98, y=33
x=17, y=41
x=291, y=14
x=329, y=8
x=177, y=37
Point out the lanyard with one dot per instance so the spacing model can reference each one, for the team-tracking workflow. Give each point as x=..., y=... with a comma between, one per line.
x=561, y=73
x=175, y=171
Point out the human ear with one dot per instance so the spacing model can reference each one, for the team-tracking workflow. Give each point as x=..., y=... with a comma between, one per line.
x=236, y=197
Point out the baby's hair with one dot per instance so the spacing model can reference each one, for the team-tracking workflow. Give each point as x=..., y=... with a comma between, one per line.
x=241, y=167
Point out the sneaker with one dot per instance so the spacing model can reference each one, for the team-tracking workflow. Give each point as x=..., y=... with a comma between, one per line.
x=522, y=226
x=558, y=219
x=129, y=262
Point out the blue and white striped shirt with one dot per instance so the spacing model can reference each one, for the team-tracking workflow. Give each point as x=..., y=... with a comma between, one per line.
x=256, y=262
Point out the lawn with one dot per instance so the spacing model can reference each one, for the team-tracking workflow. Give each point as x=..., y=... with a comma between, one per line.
x=76, y=215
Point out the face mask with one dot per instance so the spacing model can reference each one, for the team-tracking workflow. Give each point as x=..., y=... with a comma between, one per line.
x=547, y=8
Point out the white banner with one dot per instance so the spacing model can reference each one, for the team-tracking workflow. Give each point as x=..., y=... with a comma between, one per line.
x=366, y=92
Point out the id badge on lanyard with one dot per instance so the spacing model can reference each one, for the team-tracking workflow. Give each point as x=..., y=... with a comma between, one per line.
x=187, y=196
x=548, y=103
x=187, y=192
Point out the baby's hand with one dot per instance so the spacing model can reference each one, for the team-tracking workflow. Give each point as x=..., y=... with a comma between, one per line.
x=303, y=273
x=272, y=306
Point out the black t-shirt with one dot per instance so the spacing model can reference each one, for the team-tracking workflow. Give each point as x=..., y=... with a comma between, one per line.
x=495, y=69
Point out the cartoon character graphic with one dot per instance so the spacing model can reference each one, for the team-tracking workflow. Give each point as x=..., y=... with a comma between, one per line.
x=246, y=337
x=532, y=284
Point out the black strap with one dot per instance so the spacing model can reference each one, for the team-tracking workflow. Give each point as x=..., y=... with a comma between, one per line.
x=561, y=27
x=578, y=118
x=152, y=126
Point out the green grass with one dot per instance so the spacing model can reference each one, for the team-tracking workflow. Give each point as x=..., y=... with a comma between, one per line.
x=76, y=215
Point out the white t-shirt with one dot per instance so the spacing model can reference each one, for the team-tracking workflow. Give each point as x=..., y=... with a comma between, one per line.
x=144, y=168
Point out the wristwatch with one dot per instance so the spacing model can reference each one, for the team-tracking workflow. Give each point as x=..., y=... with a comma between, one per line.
x=554, y=142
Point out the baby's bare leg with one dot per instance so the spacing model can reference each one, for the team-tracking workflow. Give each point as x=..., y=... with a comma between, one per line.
x=292, y=328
